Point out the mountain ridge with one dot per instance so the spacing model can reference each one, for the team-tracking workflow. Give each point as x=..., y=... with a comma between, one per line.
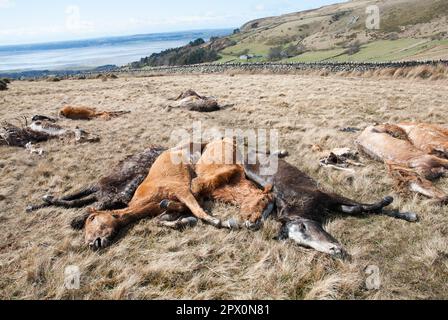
x=408, y=30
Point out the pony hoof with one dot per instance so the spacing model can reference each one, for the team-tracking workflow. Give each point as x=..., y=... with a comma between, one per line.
x=29, y=209
x=164, y=204
x=166, y=217
x=409, y=216
x=253, y=226
x=231, y=224
x=48, y=198
x=388, y=200
x=189, y=222
x=282, y=154
x=215, y=222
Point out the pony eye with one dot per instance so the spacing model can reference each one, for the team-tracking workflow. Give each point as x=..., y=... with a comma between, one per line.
x=92, y=218
x=303, y=227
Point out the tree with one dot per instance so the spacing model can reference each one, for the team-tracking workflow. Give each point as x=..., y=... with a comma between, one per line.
x=294, y=50
x=3, y=85
x=353, y=48
x=197, y=42
x=275, y=54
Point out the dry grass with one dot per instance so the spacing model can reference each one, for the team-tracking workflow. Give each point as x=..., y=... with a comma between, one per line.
x=437, y=72
x=204, y=263
x=425, y=72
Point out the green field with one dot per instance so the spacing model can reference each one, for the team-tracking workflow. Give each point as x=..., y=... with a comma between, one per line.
x=253, y=47
x=381, y=50
x=314, y=56
x=388, y=50
x=226, y=58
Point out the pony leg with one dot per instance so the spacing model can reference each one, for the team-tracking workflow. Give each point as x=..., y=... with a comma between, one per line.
x=440, y=162
x=426, y=188
x=359, y=208
x=72, y=204
x=408, y=179
x=173, y=206
x=136, y=212
x=65, y=200
x=211, y=182
x=181, y=222
x=87, y=191
x=190, y=201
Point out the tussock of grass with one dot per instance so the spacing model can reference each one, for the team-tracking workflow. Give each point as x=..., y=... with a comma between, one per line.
x=437, y=72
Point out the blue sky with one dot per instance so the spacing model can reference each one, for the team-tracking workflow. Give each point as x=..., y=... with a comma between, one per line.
x=30, y=21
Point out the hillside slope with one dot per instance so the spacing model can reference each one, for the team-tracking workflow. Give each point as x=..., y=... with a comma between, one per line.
x=409, y=30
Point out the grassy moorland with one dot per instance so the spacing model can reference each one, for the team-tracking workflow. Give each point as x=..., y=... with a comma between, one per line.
x=150, y=262
x=409, y=30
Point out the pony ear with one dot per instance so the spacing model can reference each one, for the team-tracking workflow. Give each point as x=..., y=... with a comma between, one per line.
x=268, y=188
x=91, y=210
x=79, y=222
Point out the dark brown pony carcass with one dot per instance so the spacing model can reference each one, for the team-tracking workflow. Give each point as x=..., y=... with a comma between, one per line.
x=113, y=191
x=302, y=207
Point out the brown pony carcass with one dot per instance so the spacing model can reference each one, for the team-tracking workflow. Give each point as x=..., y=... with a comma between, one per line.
x=169, y=193
x=39, y=131
x=430, y=138
x=411, y=168
x=113, y=191
x=165, y=189
x=220, y=176
x=86, y=113
x=191, y=101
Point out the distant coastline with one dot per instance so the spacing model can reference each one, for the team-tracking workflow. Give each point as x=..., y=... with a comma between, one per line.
x=82, y=55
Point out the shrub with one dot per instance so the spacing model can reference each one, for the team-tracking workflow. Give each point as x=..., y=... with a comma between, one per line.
x=440, y=36
x=197, y=56
x=243, y=52
x=53, y=79
x=3, y=85
x=392, y=36
x=197, y=42
x=275, y=54
x=279, y=41
x=294, y=50
x=353, y=48
x=189, y=54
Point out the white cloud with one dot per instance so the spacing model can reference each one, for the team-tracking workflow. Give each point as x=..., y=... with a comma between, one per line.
x=74, y=23
x=76, y=26
x=20, y=32
x=181, y=21
x=260, y=7
x=4, y=4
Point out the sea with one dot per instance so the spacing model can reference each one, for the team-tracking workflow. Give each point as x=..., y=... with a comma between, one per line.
x=93, y=53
